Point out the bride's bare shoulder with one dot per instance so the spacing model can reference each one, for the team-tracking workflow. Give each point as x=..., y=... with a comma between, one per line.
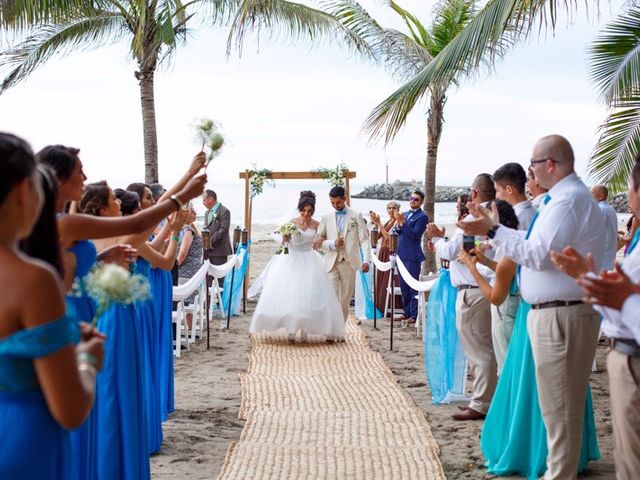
x=314, y=223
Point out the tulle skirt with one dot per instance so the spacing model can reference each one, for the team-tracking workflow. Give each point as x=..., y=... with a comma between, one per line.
x=445, y=361
x=122, y=452
x=34, y=446
x=514, y=438
x=298, y=296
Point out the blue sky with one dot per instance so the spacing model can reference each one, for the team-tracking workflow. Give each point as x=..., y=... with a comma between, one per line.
x=288, y=107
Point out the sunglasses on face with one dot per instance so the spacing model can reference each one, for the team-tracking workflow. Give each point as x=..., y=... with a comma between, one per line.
x=415, y=199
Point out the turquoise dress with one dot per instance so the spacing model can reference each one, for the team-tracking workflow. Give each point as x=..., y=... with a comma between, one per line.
x=83, y=445
x=162, y=292
x=121, y=429
x=514, y=438
x=445, y=361
x=34, y=446
x=146, y=338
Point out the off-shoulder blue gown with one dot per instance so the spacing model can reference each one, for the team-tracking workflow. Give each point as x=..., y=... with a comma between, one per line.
x=83, y=445
x=514, y=438
x=162, y=290
x=33, y=445
x=147, y=335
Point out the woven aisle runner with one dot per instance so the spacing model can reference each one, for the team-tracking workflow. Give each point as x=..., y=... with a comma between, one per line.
x=329, y=411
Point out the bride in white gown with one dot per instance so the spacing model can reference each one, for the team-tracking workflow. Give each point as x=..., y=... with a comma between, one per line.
x=297, y=295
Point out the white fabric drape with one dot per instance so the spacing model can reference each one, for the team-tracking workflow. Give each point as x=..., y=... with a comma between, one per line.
x=220, y=271
x=381, y=266
x=412, y=282
x=180, y=292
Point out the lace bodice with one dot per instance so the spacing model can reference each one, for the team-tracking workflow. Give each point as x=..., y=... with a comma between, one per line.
x=18, y=350
x=302, y=241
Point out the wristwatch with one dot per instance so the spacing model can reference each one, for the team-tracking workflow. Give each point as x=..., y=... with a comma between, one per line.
x=492, y=231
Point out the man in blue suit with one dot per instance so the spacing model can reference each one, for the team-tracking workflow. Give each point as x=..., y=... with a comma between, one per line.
x=410, y=227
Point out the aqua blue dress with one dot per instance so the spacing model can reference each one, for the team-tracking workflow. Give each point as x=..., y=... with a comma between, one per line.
x=83, y=438
x=445, y=361
x=162, y=292
x=121, y=429
x=34, y=446
x=146, y=337
x=514, y=438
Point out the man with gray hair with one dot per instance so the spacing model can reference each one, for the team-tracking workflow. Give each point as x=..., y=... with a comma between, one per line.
x=562, y=328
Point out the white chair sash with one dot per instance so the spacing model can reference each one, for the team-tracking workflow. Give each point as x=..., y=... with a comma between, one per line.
x=381, y=266
x=180, y=292
x=220, y=271
x=412, y=282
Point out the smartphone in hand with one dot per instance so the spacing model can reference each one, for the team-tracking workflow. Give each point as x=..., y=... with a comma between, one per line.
x=468, y=242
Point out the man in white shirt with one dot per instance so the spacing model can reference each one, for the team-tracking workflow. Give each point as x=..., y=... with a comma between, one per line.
x=610, y=222
x=562, y=328
x=536, y=192
x=510, y=180
x=473, y=315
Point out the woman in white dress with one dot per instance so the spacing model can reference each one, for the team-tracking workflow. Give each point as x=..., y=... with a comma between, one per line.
x=297, y=295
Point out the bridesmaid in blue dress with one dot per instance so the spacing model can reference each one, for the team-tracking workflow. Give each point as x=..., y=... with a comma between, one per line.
x=513, y=437
x=46, y=385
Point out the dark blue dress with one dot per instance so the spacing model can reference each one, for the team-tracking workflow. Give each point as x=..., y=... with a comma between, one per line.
x=83, y=445
x=121, y=427
x=162, y=292
x=34, y=446
x=147, y=334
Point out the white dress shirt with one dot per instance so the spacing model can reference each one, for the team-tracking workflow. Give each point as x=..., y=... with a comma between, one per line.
x=535, y=202
x=621, y=324
x=631, y=315
x=567, y=219
x=449, y=250
x=525, y=212
x=610, y=225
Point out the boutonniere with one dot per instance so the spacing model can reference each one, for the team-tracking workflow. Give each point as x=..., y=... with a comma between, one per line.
x=353, y=223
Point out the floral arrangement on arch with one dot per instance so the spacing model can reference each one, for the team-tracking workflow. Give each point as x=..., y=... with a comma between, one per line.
x=335, y=176
x=258, y=179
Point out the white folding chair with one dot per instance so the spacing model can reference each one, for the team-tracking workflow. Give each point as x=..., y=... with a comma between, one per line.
x=182, y=332
x=422, y=305
x=215, y=296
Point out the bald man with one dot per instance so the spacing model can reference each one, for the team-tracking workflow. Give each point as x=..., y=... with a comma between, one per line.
x=562, y=328
x=609, y=223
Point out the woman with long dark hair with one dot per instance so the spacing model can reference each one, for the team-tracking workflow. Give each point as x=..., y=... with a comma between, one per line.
x=46, y=384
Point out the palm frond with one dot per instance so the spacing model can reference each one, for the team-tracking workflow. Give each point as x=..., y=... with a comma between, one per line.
x=451, y=16
x=215, y=12
x=298, y=22
x=19, y=15
x=615, y=57
x=618, y=146
x=418, y=31
x=47, y=41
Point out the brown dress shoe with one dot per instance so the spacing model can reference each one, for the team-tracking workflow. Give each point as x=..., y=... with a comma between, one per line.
x=469, y=414
x=460, y=407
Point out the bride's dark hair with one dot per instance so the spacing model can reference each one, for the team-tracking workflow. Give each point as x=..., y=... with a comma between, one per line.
x=307, y=197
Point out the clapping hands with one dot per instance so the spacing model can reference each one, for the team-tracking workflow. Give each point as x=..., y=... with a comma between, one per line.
x=483, y=220
x=434, y=232
x=610, y=290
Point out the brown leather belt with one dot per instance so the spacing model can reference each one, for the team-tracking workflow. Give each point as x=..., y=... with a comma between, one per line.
x=556, y=304
x=466, y=287
x=625, y=345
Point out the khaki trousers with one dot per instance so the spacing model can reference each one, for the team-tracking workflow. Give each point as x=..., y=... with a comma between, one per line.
x=502, y=319
x=563, y=341
x=624, y=374
x=473, y=319
x=343, y=279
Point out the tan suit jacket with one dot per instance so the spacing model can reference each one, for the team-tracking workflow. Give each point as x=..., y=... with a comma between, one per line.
x=355, y=234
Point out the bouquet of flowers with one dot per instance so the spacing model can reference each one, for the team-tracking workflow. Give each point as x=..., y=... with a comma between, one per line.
x=287, y=230
x=207, y=132
x=109, y=283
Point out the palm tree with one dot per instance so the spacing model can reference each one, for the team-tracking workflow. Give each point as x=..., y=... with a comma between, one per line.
x=154, y=28
x=615, y=68
x=405, y=56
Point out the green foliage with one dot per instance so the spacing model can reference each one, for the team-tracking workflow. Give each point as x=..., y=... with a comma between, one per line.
x=335, y=176
x=258, y=179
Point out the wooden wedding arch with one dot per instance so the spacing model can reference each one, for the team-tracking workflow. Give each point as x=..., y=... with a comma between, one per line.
x=248, y=200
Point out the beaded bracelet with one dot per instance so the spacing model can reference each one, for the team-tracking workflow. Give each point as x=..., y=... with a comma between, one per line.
x=86, y=357
x=176, y=238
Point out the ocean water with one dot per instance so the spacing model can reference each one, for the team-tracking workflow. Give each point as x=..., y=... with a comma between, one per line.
x=277, y=204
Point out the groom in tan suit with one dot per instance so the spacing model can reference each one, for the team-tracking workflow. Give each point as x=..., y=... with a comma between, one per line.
x=342, y=233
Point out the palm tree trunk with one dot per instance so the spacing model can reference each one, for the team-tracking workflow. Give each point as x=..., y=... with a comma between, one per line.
x=146, y=78
x=434, y=130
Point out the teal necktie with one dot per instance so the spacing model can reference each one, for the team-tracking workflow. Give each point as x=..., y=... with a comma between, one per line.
x=634, y=243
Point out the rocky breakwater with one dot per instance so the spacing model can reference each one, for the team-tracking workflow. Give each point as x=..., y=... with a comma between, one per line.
x=402, y=191
x=620, y=203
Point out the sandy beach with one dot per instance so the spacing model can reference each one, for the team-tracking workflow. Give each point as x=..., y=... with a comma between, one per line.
x=207, y=385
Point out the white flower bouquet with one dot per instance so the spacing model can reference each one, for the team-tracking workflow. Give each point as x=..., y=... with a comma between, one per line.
x=109, y=283
x=207, y=133
x=287, y=230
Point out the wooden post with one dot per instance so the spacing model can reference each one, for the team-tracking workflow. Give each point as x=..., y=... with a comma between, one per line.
x=346, y=187
x=248, y=205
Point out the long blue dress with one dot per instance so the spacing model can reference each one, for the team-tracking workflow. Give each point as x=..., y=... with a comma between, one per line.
x=122, y=452
x=445, y=361
x=514, y=438
x=34, y=446
x=162, y=291
x=146, y=337
x=83, y=444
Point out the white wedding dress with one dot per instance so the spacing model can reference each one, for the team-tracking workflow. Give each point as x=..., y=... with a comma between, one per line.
x=297, y=295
